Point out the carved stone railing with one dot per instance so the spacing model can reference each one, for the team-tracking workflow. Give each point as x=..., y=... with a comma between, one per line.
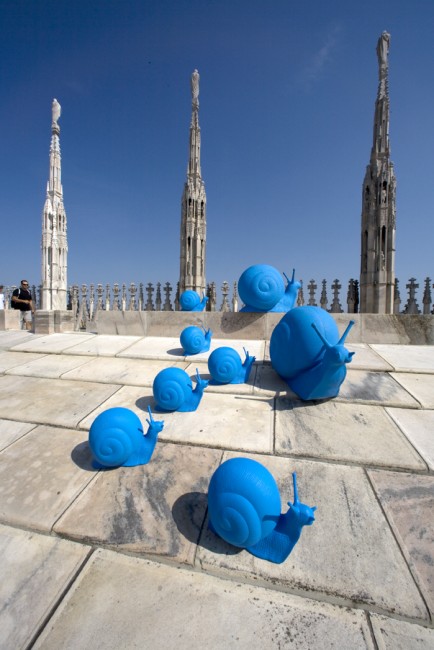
x=86, y=301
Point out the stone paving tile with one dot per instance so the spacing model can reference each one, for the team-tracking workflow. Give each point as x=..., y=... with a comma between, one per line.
x=268, y=382
x=104, y=345
x=156, y=508
x=155, y=347
x=419, y=385
x=108, y=607
x=408, y=500
x=391, y=634
x=12, y=359
x=225, y=421
x=362, y=386
x=11, y=431
x=54, y=343
x=131, y=372
x=50, y=365
x=36, y=569
x=50, y=401
x=346, y=432
x=418, y=426
x=365, y=358
x=10, y=338
x=349, y=552
x=41, y=474
x=414, y=358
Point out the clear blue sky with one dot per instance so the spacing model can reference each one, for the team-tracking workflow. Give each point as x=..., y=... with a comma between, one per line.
x=287, y=96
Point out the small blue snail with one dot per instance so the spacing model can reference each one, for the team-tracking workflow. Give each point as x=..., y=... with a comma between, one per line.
x=116, y=438
x=306, y=351
x=244, y=509
x=190, y=301
x=195, y=340
x=261, y=289
x=225, y=366
x=173, y=390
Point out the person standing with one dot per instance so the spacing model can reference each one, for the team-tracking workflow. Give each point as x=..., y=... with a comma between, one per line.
x=22, y=300
x=2, y=297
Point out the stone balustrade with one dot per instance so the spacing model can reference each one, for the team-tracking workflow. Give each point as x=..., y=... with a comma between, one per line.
x=86, y=301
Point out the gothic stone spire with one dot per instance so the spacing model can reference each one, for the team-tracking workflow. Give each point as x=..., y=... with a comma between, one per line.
x=54, y=241
x=193, y=208
x=377, y=275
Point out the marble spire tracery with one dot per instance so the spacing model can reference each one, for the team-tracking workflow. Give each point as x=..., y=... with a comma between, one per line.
x=193, y=208
x=377, y=273
x=54, y=243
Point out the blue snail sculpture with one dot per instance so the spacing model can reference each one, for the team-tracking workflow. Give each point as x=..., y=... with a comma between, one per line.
x=261, y=289
x=225, y=366
x=194, y=339
x=244, y=509
x=173, y=390
x=306, y=351
x=116, y=438
x=190, y=301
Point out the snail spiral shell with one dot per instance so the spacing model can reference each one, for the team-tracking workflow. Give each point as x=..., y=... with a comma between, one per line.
x=224, y=364
x=243, y=502
x=189, y=299
x=114, y=436
x=195, y=340
x=261, y=287
x=171, y=388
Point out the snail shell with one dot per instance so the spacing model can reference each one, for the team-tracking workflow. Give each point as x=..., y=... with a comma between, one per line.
x=224, y=365
x=189, y=300
x=261, y=287
x=194, y=340
x=294, y=344
x=115, y=436
x=172, y=387
x=243, y=502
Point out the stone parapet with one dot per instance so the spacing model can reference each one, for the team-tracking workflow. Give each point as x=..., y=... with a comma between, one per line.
x=9, y=319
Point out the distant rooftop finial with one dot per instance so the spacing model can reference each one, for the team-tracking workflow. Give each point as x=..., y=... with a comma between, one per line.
x=56, y=110
x=195, y=88
x=383, y=49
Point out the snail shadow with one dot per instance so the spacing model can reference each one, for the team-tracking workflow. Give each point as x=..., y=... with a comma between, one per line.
x=81, y=455
x=189, y=514
x=143, y=402
x=176, y=352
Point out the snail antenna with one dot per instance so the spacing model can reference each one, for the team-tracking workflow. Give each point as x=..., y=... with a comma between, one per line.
x=326, y=343
x=345, y=334
x=294, y=482
x=293, y=276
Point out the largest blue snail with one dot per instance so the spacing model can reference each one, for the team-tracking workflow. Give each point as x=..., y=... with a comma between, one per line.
x=261, y=289
x=244, y=509
x=306, y=351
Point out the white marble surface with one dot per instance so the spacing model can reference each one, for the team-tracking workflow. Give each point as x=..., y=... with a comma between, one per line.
x=407, y=358
x=421, y=386
x=49, y=366
x=182, y=609
x=418, y=426
x=13, y=359
x=52, y=343
x=130, y=372
x=392, y=634
x=361, y=386
x=104, y=346
x=11, y=431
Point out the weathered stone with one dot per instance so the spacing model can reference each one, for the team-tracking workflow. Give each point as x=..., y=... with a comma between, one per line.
x=420, y=386
x=50, y=365
x=404, y=358
x=54, y=343
x=12, y=359
x=11, y=431
x=131, y=372
x=418, y=426
x=408, y=500
x=109, y=607
x=345, y=432
x=391, y=634
x=362, y=386
x=104, y=346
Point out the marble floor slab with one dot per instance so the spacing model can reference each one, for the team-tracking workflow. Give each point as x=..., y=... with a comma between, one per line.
x=223, y=421
x=129, y=372
x=157, y=508
x=36, y=570
x=268, y=382
x=49, y=366
x=407, y=358
x=254, y=348
x=391, y=634
x=41, y=474
x=155, y=347
x=234, y=389
x=50, y=401
x=184, y=609
x=339, y=555
x=355, y=433
x=52, y=343
x=365, y=358
x=361, y=386
x=12, y=359
x=419, y=385
x=104, y=345
x=11, y=431
x=9, y=338
x=408, y=500
x=418, y=426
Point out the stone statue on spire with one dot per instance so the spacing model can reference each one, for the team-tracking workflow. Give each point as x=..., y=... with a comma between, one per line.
x=383, y=49
x=56, y=110
x=195, y=88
